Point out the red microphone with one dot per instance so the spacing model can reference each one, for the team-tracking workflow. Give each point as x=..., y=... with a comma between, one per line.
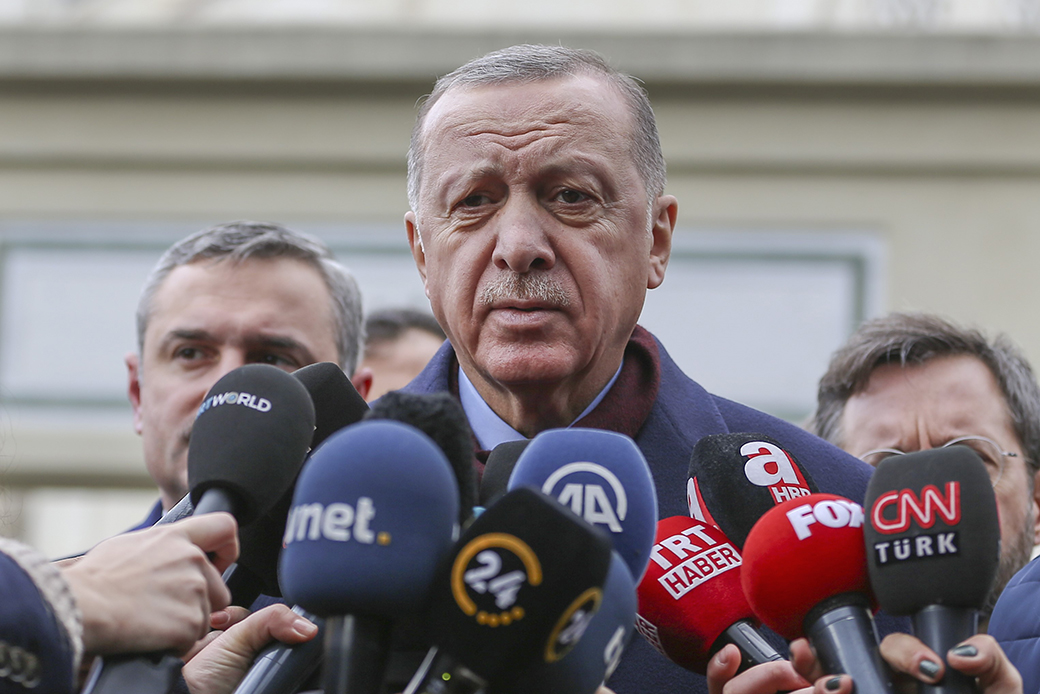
x=690, y=600
x=805, y=574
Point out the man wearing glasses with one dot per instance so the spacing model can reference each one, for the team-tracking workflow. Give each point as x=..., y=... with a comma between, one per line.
x=908, y=382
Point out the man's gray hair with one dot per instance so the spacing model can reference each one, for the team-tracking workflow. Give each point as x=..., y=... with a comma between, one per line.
x=239, y=241
x=532, y=63
x=915, y=338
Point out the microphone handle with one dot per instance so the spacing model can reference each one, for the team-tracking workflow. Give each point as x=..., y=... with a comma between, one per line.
x=244, y=585
x=754, y=649
x=215, y=500
x=281, y=668
x=182, y=509
x=141, y=673
x=440, y=673
x=941, y=628
x=843, y=634
x=356, y=652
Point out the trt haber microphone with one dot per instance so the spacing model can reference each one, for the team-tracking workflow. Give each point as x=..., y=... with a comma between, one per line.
x=494, y=483
x=691, y=603
x=441, y=417
x=521, y=586
x=592, y=661
x=603, y=477
x=374, y=512
x=933, y=545
x=735, y=478
x=805, y=574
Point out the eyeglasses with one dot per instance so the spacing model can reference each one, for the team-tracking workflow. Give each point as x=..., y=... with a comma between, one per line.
x=988, y=449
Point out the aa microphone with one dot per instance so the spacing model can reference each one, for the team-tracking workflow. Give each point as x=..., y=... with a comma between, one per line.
x=249, y=438
x=374, y=512
x=805, y=574
x=524, y=580
x=933, y=545
x=494, y=483
x=735, y=478
x=585, y=668
x=441, y=417
x=603, y=477
x=691, y=603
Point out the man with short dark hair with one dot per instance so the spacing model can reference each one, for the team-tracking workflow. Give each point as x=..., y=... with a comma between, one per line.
x=912, y=381
x=399, y=342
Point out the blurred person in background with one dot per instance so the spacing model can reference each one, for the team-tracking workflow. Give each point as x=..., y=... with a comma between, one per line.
x=399, y=343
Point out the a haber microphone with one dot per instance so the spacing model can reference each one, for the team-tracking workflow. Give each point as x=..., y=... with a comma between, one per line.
x=933, y=546
x=494, y=483
x=522, y=584
x=735, y=478
x=374, y=513
x=691, y=603
x=249, y=438
x=441, y=417
x=603, y=477
x=805, y=574
x=592, y=661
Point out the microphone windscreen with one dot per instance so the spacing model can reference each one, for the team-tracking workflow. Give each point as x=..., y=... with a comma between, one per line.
x=337, y=403
x=374, y=512
x=522, y=582
x=592, y=661
x=740, y=476
x=494, y=483
x=801, y=553
x=932, y=533
x=691, y=592
x=441, y=417
x=603, y=477
x=250, y=437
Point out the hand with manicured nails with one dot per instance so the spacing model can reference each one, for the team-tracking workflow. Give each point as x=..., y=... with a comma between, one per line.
x=154, y=589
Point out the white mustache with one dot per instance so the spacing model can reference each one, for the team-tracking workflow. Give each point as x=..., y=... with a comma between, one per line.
x=526, y=287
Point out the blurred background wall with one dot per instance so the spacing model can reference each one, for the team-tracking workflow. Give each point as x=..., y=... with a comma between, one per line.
x=833, y=160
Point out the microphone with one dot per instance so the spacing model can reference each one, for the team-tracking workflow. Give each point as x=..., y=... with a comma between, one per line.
x=593, y=660
x=500, y=463
x=805, y=574
x=441, y=417
x=247, y=443
x=691, y=603
x=375, y=510
x=602, y=477
x=735, y=478
x=524, y=580
x=933, y=546
x=336, y=405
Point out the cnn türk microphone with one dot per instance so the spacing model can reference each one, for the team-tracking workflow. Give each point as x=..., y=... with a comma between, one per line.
x=374, y=513
x=691, y=603
x=247, y=443
x=603, y=477
x=805, y=574
x=735, y=478
x=524, y=580
x=592, y=661
x=933, y=546
x=494, y=483
x=441, y=417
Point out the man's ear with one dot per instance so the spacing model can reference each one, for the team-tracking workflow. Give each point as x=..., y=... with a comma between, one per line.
x=666, y=210
x=415, y=242
x=362, y=380
x=133, y=387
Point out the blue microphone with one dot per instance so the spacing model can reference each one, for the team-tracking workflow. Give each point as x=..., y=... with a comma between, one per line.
x=603, y=477
x=375, y=510
x=592, y=661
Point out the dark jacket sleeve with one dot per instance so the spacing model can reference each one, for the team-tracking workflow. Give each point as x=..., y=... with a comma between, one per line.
x=37, y=653
x=1015, y=624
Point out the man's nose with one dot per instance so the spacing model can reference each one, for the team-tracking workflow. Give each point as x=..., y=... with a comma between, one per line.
x=230, y=359
x=523, y=238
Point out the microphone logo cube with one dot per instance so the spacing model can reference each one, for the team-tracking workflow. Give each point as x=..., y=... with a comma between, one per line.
x=770, y=466
x=832, y=513
x=583, y=487
x=488, y=576
x=571, y=625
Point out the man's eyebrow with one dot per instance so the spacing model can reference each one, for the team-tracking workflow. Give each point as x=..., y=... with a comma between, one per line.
x=185, y=334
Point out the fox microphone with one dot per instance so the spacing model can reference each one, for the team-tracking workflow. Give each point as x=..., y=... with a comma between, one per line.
x=735, y=478
x=523, y=583
x=374, y=512
x=691, y=603
x=603, y=477
x=933, y=546
x=805, y=574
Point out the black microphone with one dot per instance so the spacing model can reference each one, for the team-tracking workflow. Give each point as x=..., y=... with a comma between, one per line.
x=933, y=547
x=494, y=483
x=525, y=580
x=247, y=443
